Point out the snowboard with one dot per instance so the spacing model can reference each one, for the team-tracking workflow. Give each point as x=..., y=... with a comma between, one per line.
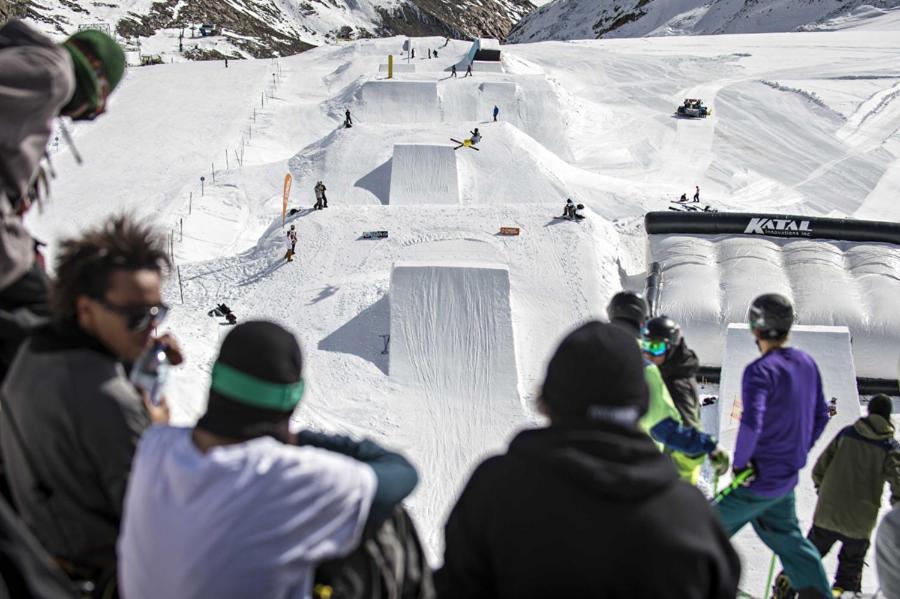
x=375, y=234
x=463, y=144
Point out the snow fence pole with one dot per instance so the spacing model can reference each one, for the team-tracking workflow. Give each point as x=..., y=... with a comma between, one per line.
x=180, y=286
x=771, y=572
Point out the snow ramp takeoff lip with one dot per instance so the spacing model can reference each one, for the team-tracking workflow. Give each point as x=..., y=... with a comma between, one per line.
x=451, y=331
x=399, y=102
x=424, y=174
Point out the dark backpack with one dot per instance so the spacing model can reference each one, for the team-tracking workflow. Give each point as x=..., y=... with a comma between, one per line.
x=388, y=564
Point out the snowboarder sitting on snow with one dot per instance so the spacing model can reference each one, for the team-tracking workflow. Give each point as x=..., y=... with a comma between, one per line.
x=570, y=210
x=321, y=200
x=683, y=198
x=225, y=311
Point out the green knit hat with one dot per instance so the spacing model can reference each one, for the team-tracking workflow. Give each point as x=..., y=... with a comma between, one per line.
x=107, y=51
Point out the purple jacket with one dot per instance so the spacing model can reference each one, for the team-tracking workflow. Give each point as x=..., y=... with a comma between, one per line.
x=784, y=412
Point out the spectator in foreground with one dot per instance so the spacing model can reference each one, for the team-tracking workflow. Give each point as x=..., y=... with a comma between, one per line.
x=233, y=507
x=662, y=421
x=587, y=507
x=887, y=553
x=850, y=476
x=784, y=412
x=39, y=80
x=70, y=418
x=664, y=345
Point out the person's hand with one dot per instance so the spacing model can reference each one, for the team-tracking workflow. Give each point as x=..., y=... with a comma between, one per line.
x=736, y=472
x=159, y=414
x=720, y=461
x=173, y=349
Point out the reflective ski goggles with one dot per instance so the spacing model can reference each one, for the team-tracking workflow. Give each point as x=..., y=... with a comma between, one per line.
x=654, y=347
x=137, y=318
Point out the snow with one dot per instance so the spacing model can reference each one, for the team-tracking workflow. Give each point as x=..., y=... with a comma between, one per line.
x=424, y=174
x=590, y=120
x=830, y=348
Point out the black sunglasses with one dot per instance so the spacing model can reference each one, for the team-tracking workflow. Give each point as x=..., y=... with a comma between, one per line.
x=137, y=318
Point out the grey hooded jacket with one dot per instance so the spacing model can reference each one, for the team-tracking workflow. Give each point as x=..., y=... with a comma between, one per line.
x=69, y=428
x=36, y=81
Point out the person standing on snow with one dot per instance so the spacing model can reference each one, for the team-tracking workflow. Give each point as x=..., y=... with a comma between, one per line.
x=348, y=122
x=469, y=70
x=849, y=478
x=664, y=345
x=453, y=71
x=321, y=200
x=697, y=193
x=496, y=112
x=292, y=239
x=587, y=506
x=629, y=311
x=784, y=413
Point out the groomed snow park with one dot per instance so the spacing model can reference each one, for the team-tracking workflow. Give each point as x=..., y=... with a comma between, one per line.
x=435, y=339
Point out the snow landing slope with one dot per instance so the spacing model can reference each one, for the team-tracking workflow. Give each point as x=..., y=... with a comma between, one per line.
x=802, y=122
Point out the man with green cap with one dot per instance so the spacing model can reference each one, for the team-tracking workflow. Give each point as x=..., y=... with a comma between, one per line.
x=239, y=506
x=39, y=80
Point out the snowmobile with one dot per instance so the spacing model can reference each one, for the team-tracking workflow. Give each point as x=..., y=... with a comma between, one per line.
x=693, y=108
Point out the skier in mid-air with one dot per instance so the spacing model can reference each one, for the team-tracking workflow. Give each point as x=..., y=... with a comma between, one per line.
x=476, y=136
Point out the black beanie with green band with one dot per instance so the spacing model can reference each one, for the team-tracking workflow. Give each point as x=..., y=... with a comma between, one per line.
x=256, y=382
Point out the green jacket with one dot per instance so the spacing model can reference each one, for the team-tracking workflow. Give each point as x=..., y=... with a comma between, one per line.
x=850, y=476
x=661, y=404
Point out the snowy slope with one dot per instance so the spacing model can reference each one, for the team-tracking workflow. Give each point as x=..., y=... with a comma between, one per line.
x=587, y=19
x=805, y=122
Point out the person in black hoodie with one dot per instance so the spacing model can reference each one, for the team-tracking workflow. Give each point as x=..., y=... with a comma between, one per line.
x=664, y=345
x=586, y=507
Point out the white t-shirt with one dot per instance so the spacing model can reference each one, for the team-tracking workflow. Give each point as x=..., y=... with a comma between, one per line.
x=245, y=520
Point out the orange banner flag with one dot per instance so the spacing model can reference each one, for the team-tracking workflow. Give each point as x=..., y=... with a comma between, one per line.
x=287, y=192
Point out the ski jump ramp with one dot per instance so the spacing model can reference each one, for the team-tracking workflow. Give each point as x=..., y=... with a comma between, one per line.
x=830, y=347
x=452, y=357
x=451, y=330
x=395, y=101
x=424, y=174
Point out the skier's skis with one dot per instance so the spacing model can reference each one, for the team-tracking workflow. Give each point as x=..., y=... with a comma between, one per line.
x=463, y=144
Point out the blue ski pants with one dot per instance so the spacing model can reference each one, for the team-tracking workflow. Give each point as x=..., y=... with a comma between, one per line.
x=775, y=521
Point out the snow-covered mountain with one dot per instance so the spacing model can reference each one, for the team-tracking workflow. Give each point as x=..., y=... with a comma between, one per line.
x=588, y=19
x=261, y=28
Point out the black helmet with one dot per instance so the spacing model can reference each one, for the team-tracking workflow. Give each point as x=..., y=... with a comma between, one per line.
x=772, y=315
x=662, y=328
x=660, y=336
x=628, y=305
